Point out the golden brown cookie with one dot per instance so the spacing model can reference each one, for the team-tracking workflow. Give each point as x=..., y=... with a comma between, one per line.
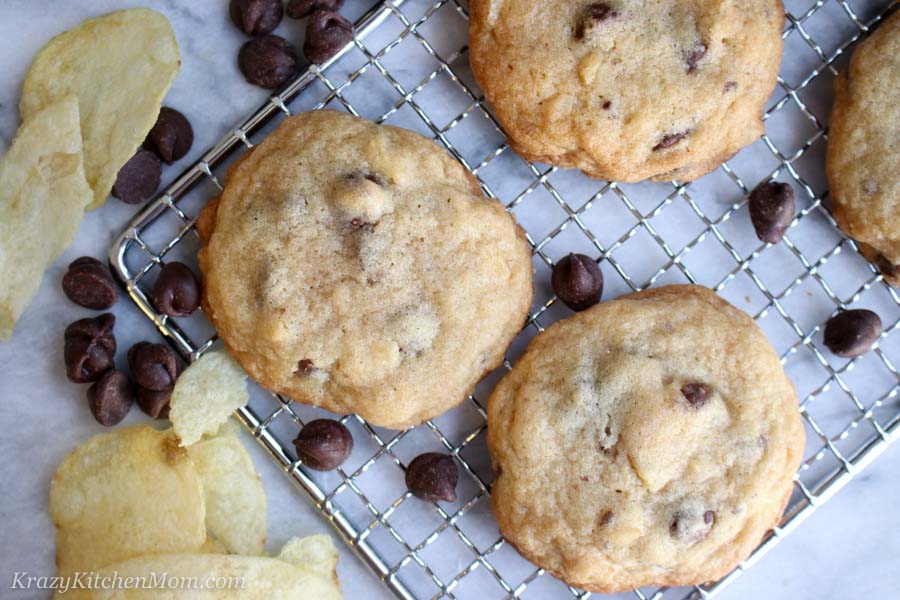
x=627, y=90
x=864, y=147
x=357, y=267
x=649, y=440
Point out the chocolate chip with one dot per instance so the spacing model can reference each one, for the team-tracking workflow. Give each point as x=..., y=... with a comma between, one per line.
x=304, y=367
x=171, y=136
x=670, y=139
x=139, y=178
x=323, y=444
x=111, y=397
x=267, y=61
x=771, y=210
x=696, y=394
x=153, y=365
x=176, y=291
x=256, y=17
x=730, y=86
x=88, y=283
x=596, y=12
x=297, y=9
x=691, y=527
x=606, y=518
x=90, y=348
x=326, y=33
x=607, y=104
x=577, y=281
x=851, y=333
x=432, y=476
x=693, y=56
x=154, y=403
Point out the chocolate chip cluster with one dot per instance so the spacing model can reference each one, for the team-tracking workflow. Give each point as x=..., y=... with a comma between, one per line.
x=90, y=344
x=169, y=140
x=268, y=60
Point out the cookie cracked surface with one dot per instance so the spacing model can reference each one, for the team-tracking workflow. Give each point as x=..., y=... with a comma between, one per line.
x=628, y=90
x=651, y=439
x=357, y=267
x=864, y=145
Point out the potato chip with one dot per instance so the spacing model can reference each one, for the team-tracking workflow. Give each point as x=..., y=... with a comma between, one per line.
x=205, y=395
x=234, y=495
x=314, y=552
x=124, y=494
x=222, y=576
x=120, y=66
x=212, y=546
x=43, y=194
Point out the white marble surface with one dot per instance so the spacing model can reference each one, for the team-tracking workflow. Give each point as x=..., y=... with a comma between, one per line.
x=847, y=549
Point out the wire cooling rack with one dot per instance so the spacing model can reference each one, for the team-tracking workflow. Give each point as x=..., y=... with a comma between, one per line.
x=408, y=66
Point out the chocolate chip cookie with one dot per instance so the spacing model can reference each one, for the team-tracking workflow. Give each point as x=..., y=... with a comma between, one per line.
x=627, y=90
x=357, y=267
x=649, y=440
x=864, y=146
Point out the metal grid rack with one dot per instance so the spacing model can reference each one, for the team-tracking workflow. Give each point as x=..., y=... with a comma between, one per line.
x=409, y=66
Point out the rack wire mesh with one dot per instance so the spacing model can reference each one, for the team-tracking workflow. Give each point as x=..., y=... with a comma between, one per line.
x=408, y=66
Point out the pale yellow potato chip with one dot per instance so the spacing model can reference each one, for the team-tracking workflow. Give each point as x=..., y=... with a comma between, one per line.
x=43, y=194
x=263, y=578
x=124, y=494
x=205, y=395
x=213, y=546
x=120, y=66
x=234, y=495
x=315, y=552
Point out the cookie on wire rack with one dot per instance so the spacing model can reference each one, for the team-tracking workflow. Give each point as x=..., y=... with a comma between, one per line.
x=628, y=90
x=357, y=267
x=649, y=440
x=864, y=147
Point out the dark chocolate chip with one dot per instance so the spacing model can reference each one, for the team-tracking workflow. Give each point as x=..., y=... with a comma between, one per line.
x=111, y=397
x=171, y=136
x=139, y=178
x=577, y=281
x=691, y=527
x=297, y=9
x=771, y=210
x=730, y=86
x=88, y=283
x=323, y=444
x=596, y=12
x=693, y=56
x=696, y=394
x=432, y=476
x=153, y=365
x=90, y=348
x=154, y=403
x=304, y=367
x=267, y=61
x=607, y=104
x=256, y=17
x=176, y=291
x=851, y=333
x=670, y=139
x=326, y=33
x=606, y=518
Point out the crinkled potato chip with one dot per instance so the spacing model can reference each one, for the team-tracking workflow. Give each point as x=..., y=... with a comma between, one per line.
x=234, y=495
x=43, y=194
x=205, y=395
x=124, y=494
x=213, y=546
x=315, y=552
x=120, y=66
x=263, y=579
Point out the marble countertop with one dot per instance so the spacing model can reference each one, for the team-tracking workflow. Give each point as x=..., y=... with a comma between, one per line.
x=847, y=549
